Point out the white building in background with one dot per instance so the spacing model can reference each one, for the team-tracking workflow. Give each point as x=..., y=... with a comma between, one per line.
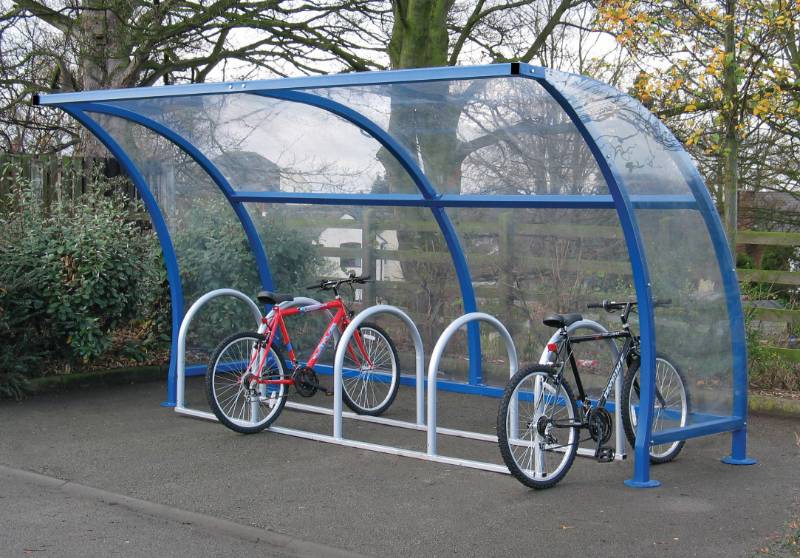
x=351, y=237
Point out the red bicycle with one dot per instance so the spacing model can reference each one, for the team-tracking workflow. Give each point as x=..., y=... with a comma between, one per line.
x=247, y=381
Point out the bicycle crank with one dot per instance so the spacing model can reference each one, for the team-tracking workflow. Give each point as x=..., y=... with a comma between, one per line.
x=306, y=381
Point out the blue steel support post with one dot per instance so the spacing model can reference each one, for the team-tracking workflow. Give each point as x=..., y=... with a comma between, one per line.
x=641, y=279
x=253, y=238
x=167, y=249
x=426, y=189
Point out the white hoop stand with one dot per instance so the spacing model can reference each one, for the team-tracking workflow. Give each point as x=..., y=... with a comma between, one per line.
x=619, y=435
x=180, y=399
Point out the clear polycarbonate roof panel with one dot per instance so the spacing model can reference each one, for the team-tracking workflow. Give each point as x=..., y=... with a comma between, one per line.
x=633, y=140
x=264, y=144
x=487, y=136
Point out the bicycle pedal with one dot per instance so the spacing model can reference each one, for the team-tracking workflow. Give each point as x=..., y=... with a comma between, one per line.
x=604, y=455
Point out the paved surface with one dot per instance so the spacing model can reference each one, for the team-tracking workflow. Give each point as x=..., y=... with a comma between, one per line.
x=146, y=482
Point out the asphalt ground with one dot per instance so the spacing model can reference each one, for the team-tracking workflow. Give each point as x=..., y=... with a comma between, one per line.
x=108, y=472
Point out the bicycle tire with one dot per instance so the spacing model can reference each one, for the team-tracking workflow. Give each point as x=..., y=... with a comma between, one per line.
x=237, y=408
x=669, y=381
x=368, y=392
x=523, y=465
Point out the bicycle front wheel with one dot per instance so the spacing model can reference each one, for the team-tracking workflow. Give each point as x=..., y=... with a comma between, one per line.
x=537, y=427
x=671, y=408
x=371, y=372
x=234, y=392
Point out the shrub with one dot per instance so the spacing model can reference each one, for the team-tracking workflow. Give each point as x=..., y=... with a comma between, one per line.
x=69, y=275
x=213, y=252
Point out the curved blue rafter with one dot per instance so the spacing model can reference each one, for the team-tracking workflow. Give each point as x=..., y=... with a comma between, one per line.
x=256, y=246
x=641, y=281
x=164, y=239
x=428, y=192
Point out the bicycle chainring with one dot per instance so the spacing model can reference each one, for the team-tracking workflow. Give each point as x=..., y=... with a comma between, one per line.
x=306, y=381
x=600, y=425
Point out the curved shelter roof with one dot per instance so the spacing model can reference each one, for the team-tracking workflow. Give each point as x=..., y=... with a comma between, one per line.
x=508, y=188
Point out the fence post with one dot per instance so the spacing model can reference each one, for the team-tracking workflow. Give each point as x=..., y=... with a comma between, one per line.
x=505, y=232
x=368, y=256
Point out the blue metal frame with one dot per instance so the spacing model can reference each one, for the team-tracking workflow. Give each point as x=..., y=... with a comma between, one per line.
x=167, y=249
x=359, y=79
x=428, y=192
x=619, y=199
x=641, y=281
x=467, y=200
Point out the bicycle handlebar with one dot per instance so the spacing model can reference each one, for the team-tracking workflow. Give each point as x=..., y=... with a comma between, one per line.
x=326, y=285
x=611, y=306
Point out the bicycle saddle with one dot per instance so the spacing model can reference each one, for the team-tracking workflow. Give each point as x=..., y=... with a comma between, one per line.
x=268, y=297
x=561, y=320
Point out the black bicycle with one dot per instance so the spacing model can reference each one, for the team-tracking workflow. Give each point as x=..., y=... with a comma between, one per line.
x=539, y=421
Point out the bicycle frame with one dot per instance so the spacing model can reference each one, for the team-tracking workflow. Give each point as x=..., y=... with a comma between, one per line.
x=271, y=326
x=565, y=348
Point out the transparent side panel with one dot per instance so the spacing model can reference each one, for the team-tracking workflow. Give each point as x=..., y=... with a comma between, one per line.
x=490, y=136
x=693, y=331
x=262, y=144
x=641, y=149
x=401, y=248
x=210, y=245
x=528, y=263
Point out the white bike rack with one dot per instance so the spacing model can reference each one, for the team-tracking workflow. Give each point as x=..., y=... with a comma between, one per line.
x=338, y=413
x=619, y=434
x=180, y=368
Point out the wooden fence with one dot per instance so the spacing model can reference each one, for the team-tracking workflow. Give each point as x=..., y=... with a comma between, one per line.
x=57, y=178
x=770, y=278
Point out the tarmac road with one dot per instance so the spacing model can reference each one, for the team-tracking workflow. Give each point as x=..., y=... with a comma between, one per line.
x=142, y=481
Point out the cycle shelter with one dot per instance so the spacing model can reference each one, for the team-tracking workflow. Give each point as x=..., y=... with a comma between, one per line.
x=508, y=189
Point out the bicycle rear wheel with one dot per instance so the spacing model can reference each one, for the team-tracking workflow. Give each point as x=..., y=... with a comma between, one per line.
x=671, y=409
x=537, y=427
x=234, y=394
x=370, y=378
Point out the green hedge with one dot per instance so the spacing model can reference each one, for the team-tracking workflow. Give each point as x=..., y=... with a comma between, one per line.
x=69, y=276
x=75, y=274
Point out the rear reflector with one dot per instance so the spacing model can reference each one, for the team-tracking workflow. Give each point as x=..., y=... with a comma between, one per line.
x=552, y=347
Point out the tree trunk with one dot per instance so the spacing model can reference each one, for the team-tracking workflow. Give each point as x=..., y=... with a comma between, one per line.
x=730, y=115
x=102, y=59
